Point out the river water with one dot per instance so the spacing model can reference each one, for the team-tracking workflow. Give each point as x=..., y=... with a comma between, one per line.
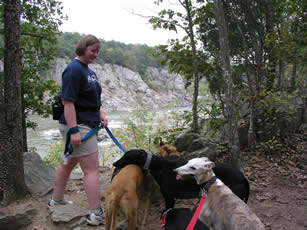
x=47, y=130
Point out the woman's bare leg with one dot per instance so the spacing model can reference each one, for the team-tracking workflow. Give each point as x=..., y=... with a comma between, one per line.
x=61, y=177
x=90, y=165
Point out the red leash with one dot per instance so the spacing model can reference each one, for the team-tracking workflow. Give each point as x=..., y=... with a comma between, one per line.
x=196, y=214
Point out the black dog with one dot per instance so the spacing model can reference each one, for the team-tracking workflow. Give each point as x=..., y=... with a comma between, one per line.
x=179, y=218
x=162, y=170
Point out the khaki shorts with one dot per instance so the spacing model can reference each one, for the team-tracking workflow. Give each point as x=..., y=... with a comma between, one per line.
x=87, y=147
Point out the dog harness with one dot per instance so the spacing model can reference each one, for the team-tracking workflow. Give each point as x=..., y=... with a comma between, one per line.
x=163, y=219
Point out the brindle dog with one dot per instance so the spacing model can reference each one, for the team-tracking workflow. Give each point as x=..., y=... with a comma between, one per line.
x=222, y=209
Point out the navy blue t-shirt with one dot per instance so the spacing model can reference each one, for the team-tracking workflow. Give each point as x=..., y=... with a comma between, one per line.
x=80, y=85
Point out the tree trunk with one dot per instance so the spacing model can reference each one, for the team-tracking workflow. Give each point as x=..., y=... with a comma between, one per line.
x=282, y=81
x=195, y=128
x=293, y=77
x=271, y=65
x=231, y=116
x=2, y=180
x=251, y=92
x=251, y=137
x=24, y=123
x=12, y=181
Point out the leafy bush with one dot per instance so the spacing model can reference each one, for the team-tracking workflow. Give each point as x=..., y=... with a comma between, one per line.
x=144, y=129
x=277, y=113
x=55, y=153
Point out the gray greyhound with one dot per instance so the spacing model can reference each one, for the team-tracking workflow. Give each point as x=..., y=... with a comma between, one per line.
x=222, y=209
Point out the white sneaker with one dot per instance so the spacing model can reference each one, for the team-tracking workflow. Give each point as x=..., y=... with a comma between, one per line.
x=96, y=218
x=53, y=202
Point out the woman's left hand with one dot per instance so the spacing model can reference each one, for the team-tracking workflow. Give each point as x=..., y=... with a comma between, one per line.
x=103, y=118
x=104, y=121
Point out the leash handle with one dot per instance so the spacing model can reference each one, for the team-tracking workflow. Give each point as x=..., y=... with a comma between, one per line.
x=196, y=214
x=68, y=146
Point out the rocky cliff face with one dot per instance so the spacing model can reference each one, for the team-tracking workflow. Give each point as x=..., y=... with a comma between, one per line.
x=124, y=90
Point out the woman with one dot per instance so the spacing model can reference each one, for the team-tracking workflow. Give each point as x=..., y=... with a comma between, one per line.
x=82, y=112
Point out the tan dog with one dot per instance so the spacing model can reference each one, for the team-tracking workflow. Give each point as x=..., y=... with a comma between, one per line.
x=122, y=194
x=167, y=150
x=222, y=209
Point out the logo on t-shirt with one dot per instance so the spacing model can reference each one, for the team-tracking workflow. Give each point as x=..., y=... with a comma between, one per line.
x=91, y=78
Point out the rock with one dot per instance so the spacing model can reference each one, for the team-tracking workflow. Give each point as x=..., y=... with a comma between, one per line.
x=18, y=221
x=66, y=213
x=38, y=175
x=183, y=142
x=195, y=145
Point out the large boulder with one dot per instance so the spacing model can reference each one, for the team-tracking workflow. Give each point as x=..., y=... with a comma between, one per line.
x=192, y=145
x=38, y=175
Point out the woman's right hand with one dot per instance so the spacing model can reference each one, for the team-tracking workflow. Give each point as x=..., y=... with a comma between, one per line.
x=75, y=139
x=70, y=117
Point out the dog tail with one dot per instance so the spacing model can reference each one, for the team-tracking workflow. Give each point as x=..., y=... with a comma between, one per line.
x=246, y=184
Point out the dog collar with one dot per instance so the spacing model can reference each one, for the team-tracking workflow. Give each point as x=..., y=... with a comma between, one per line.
x=148, y=160
x=206, y=186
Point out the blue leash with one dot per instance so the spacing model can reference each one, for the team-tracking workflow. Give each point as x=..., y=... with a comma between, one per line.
x=115, y=140
x=68, y=147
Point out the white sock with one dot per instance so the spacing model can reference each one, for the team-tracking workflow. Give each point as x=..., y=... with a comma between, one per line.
x=96, y=211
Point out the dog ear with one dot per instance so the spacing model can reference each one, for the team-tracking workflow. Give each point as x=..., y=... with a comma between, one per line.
x=161, y=142
x=208, y=164
x=143, y=153
x=211, y=165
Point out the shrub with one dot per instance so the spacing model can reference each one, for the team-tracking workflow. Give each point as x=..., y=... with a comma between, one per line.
x=55, y=153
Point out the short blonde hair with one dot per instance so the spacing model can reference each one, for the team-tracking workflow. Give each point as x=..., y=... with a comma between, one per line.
x=84, y=42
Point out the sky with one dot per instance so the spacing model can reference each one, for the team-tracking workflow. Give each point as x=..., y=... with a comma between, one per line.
x=116, y=20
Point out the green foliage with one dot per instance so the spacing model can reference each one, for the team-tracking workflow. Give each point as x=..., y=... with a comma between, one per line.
x=137, y=130
x=66, y=44
x=108, y=155
x=178, y=55
x=180, y=121
x=277, y=112
x=134, y=57
x=40, y=21
x=144, y=129
x=55, y=153
x=213, y=116
x=272, y=31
